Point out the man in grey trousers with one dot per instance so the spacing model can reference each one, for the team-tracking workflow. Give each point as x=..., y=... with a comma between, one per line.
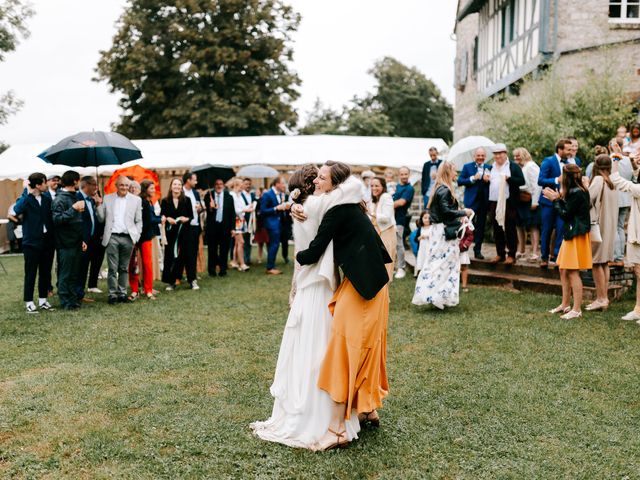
x=121, y=213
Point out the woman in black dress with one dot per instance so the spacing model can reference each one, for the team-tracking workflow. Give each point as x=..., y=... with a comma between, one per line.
x=176, y=212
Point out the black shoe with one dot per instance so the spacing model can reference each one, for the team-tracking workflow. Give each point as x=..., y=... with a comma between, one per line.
x=112, y=300
x=223, y=274
x=479, y=256
x=214, y=274
x=123, y=299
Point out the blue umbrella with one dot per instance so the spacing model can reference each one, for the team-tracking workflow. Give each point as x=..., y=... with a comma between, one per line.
x=92, y=149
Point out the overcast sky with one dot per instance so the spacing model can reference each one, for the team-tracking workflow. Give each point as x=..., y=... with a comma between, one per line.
x=337, y=43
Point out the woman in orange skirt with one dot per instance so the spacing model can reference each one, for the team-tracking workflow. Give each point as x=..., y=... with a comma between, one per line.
x=572, y=205
x=353, y=371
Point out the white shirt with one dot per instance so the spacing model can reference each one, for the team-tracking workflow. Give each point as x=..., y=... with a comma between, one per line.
x=87, y=204
x=39, y=200
x=52, y=193
x=189, y=193
x=119, y=211
x=219, y=199
x=531, y=171
x=384, y=212
x=498, y=174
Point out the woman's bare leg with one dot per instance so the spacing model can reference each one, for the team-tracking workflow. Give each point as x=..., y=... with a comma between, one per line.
x=566, y=287
x=337, y=428
x=522, y=240
x=464, y=275
x=576, y=288
x=535, y=241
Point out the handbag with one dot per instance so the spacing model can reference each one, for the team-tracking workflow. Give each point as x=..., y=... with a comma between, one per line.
x=594, y=233
x=525, y=197
x=465, y=234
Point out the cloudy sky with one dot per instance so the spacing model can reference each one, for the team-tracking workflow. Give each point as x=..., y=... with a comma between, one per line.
x=337, y=43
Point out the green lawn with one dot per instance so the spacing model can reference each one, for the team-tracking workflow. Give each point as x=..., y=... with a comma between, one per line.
x=495, y=388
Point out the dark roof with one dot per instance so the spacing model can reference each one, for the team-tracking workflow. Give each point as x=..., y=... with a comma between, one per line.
x=472, y=6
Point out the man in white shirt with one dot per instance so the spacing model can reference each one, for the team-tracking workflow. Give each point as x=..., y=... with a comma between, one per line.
x=121, y=213
x=189, y=181
x=53, y=183
x=248, y=198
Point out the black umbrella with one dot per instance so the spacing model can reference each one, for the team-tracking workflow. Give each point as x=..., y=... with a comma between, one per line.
x=208, y=174
x=92, y=149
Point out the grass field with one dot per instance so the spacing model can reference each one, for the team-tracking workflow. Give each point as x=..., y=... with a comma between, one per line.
x=495, y=388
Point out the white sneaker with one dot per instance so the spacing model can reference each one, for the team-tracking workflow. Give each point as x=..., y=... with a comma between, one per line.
x=94, y=290
x=31, y=308
x=46, y=306
x=194, y=285
x=400, y=273
x=170, y=288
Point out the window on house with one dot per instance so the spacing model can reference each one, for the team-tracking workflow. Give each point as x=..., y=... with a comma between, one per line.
x=624, y=10
x=475, y=56
x=508, y=23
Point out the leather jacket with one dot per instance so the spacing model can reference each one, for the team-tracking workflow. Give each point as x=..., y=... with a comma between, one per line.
x=444, y=209
x=574, y=211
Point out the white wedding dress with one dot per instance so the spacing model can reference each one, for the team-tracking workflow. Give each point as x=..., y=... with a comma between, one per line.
x=301, y=411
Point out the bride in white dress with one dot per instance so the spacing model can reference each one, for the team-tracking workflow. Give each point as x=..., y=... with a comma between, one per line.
x=301, y=411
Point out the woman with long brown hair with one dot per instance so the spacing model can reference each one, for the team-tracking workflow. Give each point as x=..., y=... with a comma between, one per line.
x=604, y=212
x=572, y=205
x=382, y=215
x=438, y=282
x=176, y=211
x=240, y=227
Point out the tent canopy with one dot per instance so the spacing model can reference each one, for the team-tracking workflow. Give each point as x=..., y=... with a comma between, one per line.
x=19, y=161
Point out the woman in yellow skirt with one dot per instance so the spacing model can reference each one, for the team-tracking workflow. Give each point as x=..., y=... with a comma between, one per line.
x=572, y=204
x=353, y=371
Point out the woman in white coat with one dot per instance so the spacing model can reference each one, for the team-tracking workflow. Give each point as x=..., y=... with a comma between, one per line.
x=382, y=216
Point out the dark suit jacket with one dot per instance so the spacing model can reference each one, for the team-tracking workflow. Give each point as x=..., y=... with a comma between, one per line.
x=426, y=177
x=86, y=221
x=476, y=192
x=228, y=211
x=357, y=248
x=35, y=217
x=549, y=171
x=515, y=181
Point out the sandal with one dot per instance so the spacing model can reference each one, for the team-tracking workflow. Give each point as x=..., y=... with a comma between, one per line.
x=560, y=309
x=339, y=443
x=571, y=315
x=133, y=297
x=151, y=296
x=597, y=306
x=370, y=418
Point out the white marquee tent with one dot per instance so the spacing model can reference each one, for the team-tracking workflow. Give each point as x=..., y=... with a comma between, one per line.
x=19, y=161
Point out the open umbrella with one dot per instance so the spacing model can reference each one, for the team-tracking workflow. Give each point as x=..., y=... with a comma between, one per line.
x=208, y=174
x=462, y=151
x=92, y=149
x=258, y=171
x=137, y=173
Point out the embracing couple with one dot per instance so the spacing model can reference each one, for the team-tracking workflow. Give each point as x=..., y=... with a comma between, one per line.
x=331, y=372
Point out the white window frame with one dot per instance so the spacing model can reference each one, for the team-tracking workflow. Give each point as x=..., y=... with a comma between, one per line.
x=623, y=11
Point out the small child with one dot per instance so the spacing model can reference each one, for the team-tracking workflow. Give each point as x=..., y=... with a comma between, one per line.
x=424, y=227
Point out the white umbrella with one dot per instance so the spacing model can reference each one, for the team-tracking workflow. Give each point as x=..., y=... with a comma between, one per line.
x=257, y=171
x=462, y=151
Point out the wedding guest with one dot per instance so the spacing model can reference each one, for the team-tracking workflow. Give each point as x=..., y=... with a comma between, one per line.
x=37, y=241
x=625, y=169
x=475, y=177
x=401, y=203
x=438, y=282
x=572, y=205
x=621, y=134
x=360, y=307
x=53, y=184
x=528, y=211
x=506, y=178
x=549, y=177
x=150, y=222
x=573, y=153
x=67, y=220
x=286, y=229
x=429, y=170
x=220, y=223
x=423, y=238
x=633, y=145
x=121, y=213
x=240, y=224
x=176, y=212
x=134, y=188
x=248, y=197
x=189, y=259
x=272, y=207
x=633, y=230
x=366, y=177
x=382, y=216
x=260, y=237
x=93, y=256
x=390, y=178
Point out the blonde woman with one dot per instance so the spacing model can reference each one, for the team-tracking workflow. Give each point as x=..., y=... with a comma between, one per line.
x=528, y=211
x=382, y=215
x=438, y=283
x=240, y=227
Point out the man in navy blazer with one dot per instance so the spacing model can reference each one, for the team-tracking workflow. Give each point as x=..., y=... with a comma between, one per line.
x=272, y=208
x=429, y=170
x=475, y=177
x=92, y=231
x=549, y=177
x=37, y=241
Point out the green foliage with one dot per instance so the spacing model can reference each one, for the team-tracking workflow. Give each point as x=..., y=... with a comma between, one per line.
x=547, y=109
x=189, y=68
x=13, y=17
x=405, y=103
x=494, y=388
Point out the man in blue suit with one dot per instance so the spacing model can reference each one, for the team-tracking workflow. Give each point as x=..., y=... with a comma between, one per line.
x=549, y=177
x=272, y=207
x=429, y=170
x=475, y=177
x=37, y=241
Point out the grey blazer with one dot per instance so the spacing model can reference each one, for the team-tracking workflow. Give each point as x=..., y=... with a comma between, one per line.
x=132, y=216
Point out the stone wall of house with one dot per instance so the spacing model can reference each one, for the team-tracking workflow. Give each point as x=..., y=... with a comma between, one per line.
x=464, y=114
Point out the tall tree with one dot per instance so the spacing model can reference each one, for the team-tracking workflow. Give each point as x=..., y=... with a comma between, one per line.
x=13, y=17
x=189, y=68
x=405, y=103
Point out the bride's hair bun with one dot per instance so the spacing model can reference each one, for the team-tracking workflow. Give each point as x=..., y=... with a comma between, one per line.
x=302, y=180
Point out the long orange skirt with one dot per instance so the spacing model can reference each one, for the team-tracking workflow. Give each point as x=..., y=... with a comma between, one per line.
x=354, y=368
x=575, y=254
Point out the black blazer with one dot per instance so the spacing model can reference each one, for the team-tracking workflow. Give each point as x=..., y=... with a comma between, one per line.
x=515, y=181
x=228, y=211
x=357, y=248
